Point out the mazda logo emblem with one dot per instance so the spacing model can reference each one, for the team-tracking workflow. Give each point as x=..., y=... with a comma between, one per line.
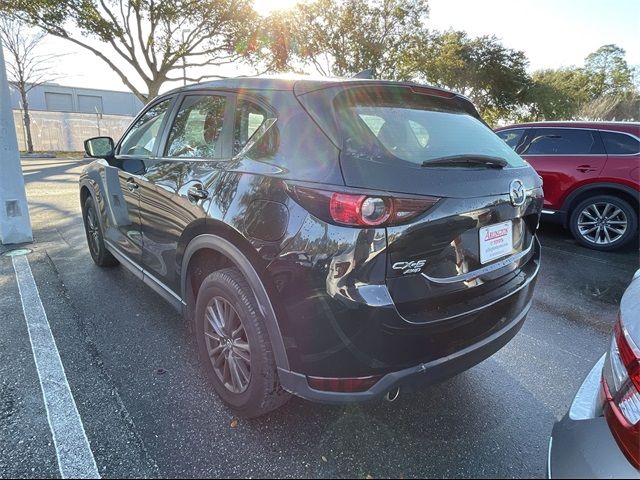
x=517, y=193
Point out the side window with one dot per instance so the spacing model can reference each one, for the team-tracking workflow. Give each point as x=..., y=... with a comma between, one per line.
x=196, y=131
x=620, y=144
x=420, y=132
x=142, y=137
x=373, y=122
x=251, y=124
x=511, y=137
x=564, y=141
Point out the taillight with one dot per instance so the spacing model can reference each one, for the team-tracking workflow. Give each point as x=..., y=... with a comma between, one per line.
x=360, y=209
x=621, y=384
x=432, y=91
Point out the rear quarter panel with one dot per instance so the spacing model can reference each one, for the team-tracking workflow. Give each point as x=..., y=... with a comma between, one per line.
x=624, y=169
x=561, y=176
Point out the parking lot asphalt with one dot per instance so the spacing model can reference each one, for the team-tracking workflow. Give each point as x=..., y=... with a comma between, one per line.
x=148, y=411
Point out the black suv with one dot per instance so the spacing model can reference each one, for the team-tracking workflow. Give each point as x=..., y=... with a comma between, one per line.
x=334, y=239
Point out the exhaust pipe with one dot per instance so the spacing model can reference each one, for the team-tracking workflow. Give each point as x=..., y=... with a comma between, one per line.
x=392, y=395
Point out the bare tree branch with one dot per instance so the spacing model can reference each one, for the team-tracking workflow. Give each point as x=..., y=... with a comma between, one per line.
x=26, y=69
x=146, y=36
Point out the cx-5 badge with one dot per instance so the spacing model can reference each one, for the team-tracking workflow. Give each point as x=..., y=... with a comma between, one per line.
x=409, y=267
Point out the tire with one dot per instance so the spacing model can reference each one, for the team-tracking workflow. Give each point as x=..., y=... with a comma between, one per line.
x=95, y=238
x=225, y=294
x=604, y=222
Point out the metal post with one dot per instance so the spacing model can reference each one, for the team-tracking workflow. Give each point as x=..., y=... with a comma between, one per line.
x=98, y=118
x=184, y=61
x=15, y=225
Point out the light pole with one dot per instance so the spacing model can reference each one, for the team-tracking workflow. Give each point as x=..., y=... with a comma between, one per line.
x=184, y=61
x=98, y=118
x=15, y=225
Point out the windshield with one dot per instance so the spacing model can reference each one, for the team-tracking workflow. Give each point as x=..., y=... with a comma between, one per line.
x=396, y=125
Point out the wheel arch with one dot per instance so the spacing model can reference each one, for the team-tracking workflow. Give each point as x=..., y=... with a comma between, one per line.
x=85, y=192
x=622, y=191
x=88, y=189
x=222, y=246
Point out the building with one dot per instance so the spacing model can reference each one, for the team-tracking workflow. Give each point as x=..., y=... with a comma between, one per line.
x=63, y=117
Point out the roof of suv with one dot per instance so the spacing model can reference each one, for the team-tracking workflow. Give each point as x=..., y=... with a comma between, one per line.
x=302, y=83
x=627, y=127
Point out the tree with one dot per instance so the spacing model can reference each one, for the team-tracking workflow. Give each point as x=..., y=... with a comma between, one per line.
x=25, y=68
x=608, y=71
x=603, y=89
x=150, y=38
x=345, y=37
x=494, y=77
x=557, y=94
x=623, y=106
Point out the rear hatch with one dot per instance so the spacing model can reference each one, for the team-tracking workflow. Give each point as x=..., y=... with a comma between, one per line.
x=475, y=245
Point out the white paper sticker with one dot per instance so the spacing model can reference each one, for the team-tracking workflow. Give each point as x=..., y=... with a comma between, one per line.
x=496, y=241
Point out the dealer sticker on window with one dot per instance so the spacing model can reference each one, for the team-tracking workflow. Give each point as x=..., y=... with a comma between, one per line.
x=496, y=241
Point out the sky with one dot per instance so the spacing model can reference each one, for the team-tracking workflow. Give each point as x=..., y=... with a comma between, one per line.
x=552, y=33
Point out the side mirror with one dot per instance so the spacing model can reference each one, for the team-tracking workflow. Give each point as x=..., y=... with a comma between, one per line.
x=99, y=147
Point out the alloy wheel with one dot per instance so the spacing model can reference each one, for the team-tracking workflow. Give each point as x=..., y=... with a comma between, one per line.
x=602, y=223
x=227, y=345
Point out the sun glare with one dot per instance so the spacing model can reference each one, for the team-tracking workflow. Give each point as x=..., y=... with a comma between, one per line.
x=265, y=7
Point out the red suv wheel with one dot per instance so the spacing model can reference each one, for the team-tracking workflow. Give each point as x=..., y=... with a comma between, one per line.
x=603, y=222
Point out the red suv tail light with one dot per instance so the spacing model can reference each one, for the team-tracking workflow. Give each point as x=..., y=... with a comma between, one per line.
x=362, y=209
x=621, y=383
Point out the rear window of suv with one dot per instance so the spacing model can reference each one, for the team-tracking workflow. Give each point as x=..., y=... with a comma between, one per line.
x=397, y=125
x=620, y=143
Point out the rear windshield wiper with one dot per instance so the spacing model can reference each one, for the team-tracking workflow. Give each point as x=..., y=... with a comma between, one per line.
x=467, y=159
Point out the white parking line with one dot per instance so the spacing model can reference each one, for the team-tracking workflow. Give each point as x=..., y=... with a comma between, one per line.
x=75, y=459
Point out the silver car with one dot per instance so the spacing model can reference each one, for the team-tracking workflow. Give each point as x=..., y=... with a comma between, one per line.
x=600, y=436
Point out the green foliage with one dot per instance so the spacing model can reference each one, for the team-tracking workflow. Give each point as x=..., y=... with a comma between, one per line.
x=343, y=38
x=623, y=106
x=602, y=90
x=492, y=76
x=608, y=71
x=557, y=94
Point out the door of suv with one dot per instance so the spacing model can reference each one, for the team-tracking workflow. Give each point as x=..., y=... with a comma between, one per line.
x=564, y=158
x=177, y=186
x=123, y=180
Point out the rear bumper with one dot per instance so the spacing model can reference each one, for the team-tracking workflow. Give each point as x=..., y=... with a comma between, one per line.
x=581, y=444
x=413, y=377
x=586, y=449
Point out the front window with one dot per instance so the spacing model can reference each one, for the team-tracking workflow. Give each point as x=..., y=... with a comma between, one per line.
x=396, y=125
x=141, y=138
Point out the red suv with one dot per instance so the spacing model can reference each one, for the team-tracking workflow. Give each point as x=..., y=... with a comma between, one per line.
x=591, y=173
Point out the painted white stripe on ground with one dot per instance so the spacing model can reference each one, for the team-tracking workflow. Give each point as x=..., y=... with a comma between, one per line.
x=73, y=452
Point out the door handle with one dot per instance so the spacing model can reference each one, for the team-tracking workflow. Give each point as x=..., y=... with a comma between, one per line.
x=585, y=168
x=197, y=192
x=132, y=185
